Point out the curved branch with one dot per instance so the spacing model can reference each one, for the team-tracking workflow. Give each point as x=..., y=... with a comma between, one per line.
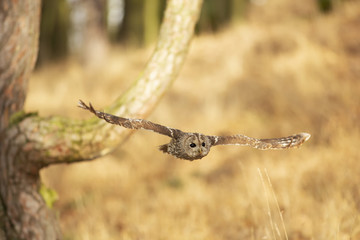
x=53, y=140
x=29, y=142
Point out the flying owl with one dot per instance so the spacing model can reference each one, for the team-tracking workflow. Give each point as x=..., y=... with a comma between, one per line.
x=192, y=146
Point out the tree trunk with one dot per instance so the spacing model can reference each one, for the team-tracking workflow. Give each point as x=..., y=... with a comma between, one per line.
x=29, y=142
x=151, y=20
x=19, y=32
x=23, y=208
x=237, y=10
x=132, y=28
x=88, y=40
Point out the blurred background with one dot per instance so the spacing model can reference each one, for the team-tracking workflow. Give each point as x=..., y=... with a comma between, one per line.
x=256, y=67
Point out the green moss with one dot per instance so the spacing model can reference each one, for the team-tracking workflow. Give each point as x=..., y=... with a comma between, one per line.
x=19, y=116
x=49, y=195
x=58, y=122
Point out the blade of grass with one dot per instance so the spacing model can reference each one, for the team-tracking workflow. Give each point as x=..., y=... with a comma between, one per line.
x=277, y=204
x=271, y=196
x=267, y=204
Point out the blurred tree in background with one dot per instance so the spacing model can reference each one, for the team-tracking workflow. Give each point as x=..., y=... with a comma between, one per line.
x=75, y=26
x=85, y=27
x=54, y=30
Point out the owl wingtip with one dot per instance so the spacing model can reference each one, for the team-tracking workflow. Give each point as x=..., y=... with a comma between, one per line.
x=81, y=104
x=305, y=136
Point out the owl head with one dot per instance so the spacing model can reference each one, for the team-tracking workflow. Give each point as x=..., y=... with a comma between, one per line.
x=188, y=146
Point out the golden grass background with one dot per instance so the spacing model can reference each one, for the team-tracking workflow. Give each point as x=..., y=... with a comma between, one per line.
x=287, y=69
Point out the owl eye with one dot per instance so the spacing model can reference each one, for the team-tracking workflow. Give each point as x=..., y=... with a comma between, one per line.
x=192, y=145
x=203, y=144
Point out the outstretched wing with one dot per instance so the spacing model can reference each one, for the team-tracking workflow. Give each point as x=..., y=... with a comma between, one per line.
x=263, y=144
x=131, y=123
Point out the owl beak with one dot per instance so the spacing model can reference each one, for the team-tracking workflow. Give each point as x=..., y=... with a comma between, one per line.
x=200, y=151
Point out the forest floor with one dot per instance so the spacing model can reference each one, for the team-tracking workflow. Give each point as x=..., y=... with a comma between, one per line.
x=286, y=69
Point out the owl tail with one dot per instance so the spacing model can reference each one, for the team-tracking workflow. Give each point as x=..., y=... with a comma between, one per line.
x=164, y=148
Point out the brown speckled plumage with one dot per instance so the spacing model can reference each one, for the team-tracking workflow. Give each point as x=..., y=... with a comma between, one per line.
x=192, y=146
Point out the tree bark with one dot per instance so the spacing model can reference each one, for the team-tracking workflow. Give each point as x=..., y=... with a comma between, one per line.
x=19, y=26
x=29, y=142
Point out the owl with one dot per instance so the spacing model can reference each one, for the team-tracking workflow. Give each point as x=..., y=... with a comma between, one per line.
x=193, y=146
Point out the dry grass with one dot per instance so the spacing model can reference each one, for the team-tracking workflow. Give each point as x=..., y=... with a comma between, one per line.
x=271, y=76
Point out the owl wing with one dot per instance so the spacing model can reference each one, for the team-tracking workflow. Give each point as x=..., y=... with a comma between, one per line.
x=263, y=144
x=132, y=123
